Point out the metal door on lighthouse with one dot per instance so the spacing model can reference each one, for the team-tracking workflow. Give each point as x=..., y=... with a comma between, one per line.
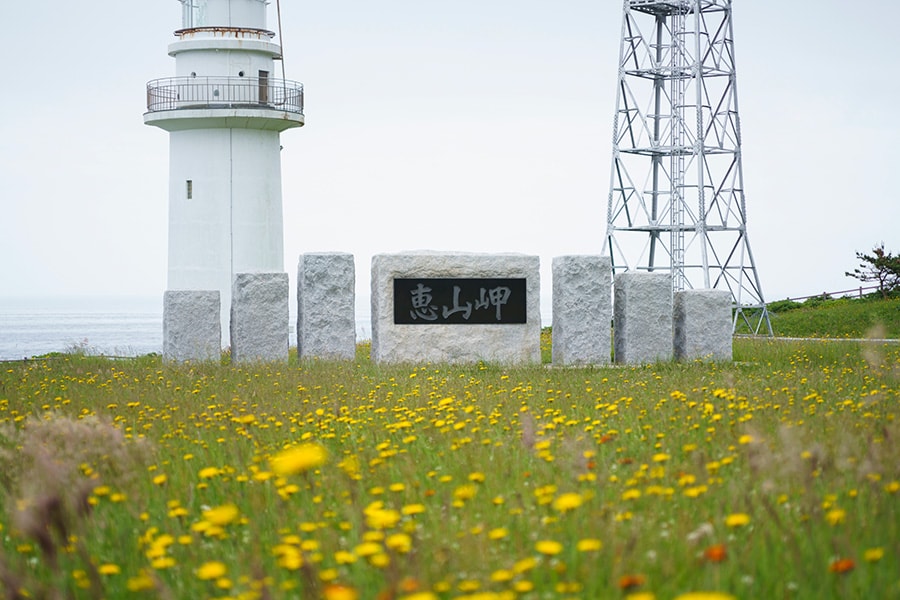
x=263, y=87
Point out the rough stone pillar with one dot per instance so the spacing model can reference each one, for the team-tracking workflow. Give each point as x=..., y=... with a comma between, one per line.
x=326, y=313
x=259, y=317
x=582, y=310
x=643, y=317
x=192, y=329
x=702, y=321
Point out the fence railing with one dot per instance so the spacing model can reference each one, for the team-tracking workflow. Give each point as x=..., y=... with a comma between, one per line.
x=174, y=93
x=825, y=295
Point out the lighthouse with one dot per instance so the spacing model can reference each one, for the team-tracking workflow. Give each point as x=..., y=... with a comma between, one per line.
x=224, y=110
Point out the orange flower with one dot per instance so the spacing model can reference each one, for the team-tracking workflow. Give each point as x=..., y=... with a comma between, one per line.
x=842, y=565
x=335, y=591
x=715, y=553
x=629, y=582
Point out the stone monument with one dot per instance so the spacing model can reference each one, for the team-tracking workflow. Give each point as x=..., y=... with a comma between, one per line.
x=456, y=308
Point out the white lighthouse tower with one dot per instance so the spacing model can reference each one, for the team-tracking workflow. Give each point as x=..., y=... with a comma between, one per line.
x=224, y=110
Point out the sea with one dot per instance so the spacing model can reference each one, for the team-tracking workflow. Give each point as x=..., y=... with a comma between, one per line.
x=109, y=326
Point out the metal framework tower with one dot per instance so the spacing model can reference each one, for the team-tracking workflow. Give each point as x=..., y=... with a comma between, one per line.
x=676, y=198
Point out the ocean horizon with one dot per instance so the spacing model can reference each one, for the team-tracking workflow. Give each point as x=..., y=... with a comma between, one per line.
x=100, y=325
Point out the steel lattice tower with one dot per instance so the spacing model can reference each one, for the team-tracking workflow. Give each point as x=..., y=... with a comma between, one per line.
x=676, y=199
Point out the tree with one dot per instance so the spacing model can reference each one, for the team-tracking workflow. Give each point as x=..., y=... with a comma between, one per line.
x=879, y=266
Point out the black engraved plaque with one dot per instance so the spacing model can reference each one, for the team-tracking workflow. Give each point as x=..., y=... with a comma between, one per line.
x=460, y=301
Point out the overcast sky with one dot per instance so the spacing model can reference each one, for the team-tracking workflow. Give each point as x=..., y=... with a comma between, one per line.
x=475, y=125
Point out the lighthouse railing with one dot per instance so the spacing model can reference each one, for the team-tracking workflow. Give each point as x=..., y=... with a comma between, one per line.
x=174, y=93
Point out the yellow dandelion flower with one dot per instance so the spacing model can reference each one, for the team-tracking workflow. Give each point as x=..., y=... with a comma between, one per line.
x=382, y=518
x=160, y=479
x=213, y=569
x=641, y=596
x=873, y=554
x=380, y=560
x=661, y=457
x=526, y=564
x=567, y=502
x=298, y=459
x=342, y=557
x=142, y=582
x=745, y=439
x=109, y=569
x=632, y=494
x=223, y=583
x=835, y=516
x=548, y=547
x=399, y=542
x=413, y=509
x=465, y=492
x=289, y=557
x=705, y=596
x=209, y=472
x=222, y=515
x=737, y=520
x=498, y=533
x=367, y=549
x=589, y=545
x=162, y=562
x=523, y=587
x=501, y=576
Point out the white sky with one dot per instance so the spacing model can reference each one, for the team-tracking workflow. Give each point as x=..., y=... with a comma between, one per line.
x=474, y=125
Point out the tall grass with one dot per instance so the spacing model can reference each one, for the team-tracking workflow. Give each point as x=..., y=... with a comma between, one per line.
x=774, y=476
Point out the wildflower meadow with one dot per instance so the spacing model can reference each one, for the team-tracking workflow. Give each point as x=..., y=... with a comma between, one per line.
x=773, y=476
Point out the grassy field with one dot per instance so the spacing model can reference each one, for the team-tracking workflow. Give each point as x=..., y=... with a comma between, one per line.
x=775, y=476
x=835, y=318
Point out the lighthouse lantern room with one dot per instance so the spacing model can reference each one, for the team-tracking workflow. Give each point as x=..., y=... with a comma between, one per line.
x=224, y=110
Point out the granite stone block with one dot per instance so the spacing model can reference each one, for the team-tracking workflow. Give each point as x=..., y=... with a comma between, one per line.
x=192, y=330
x=582, y=310
x=326, y=314
x=642, y=317
x=259, y=318
x=703, y=325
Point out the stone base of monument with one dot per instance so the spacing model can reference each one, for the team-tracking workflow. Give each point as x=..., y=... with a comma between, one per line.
x=702, y=322
x=326, y=317
x=642, y=321
x=582, y=310
x=192, y=330
x=456, y=308
x=259, y=318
